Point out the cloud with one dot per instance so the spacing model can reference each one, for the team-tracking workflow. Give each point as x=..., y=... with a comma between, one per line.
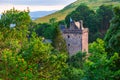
x=32, y=8
x=34, y=5
x=36, y=2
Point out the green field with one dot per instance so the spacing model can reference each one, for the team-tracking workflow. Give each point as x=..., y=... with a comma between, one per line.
x=60, y=15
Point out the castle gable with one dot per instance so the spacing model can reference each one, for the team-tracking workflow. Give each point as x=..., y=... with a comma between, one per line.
x=76, y=25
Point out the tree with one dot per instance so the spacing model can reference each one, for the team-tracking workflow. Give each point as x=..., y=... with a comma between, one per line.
x=45, y=30
x=84, y=13
x=97, y=21
x=77, y=60
x=74, y=70
x=98, y=65
x=81, y=13
x=45, y=63
x=20, y=19
x=104, y=15
x=14, y=67
x=112, y=38
x=21, y=56
x=33, y=58
x=58, y=41
x=52, y=21
x=14, y=29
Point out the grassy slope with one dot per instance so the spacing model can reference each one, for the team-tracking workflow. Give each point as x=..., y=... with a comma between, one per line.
x=60, y=15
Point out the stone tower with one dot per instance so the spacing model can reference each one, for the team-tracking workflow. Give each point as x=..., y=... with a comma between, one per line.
x=76, y=37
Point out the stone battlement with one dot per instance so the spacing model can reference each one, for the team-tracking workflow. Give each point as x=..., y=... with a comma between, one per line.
x=75, y=31
x=68, y=31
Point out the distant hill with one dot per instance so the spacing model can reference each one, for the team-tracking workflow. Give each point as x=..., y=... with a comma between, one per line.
x=93, y=4
x=0, y=16
x=38, y=14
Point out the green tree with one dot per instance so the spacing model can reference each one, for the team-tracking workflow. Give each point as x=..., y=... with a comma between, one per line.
x=104, y=15
x=58, y=41
x=40, y=28
x=97, y=21
x=77, y=60
x=71, y=73
x=52, y=21
x=14, y=29
x=21, y=19
x=112, y=38
x=33, y=58
x=42, y=59
x=14, y=67
x=21, y=56
x=98, y=65
x=74, y=70
x=84, y=13
x=47, y=30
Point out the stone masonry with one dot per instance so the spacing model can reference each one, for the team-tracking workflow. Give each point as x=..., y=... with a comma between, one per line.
x=76, y=37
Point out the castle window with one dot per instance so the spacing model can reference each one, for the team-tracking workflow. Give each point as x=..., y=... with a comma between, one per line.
x=68, y=44
x=68, y=36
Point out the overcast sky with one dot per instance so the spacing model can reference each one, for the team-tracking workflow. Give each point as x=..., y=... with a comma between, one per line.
x=34, y=5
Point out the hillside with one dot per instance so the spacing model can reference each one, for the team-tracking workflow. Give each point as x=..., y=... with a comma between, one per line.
x=60, y=15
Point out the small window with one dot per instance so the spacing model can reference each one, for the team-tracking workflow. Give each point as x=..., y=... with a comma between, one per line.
x=68, y=44
x=68, y=36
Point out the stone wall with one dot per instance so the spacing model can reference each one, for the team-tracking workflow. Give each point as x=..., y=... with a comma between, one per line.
x=73, y=42
x=85, y=40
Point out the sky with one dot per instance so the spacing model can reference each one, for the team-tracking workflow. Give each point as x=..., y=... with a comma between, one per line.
x=34, y=5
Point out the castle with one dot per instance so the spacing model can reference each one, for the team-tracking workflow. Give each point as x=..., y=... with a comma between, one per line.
x=76, y=37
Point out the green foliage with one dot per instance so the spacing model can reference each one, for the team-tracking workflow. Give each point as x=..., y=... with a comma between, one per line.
x=51, y=31
x=98, y=65
x=112, y=38
x=104, y=15
x=52, y=21
x=58, y=41
x=13, y=67
x=42, y=60
x=74, y=71
x=13, y=37
x=97, y=47
x=84, y=13
x=71, y=73
x=27, y=58
x=81, y=13
x=77, y=60
x=97, y=22
x=13, y=16
x=45, y=30
x=94, y=66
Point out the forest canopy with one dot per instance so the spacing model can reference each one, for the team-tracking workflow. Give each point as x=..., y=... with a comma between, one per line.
x=25, y=56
